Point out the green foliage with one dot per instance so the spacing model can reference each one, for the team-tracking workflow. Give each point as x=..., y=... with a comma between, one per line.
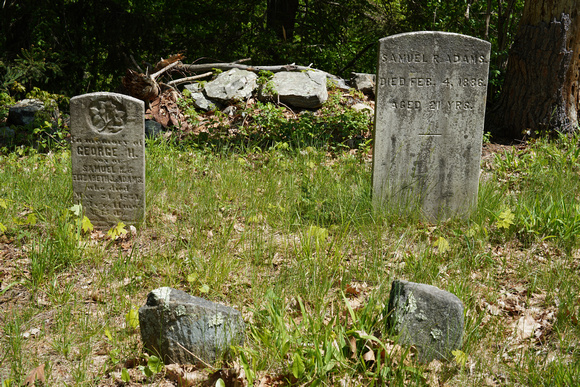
x=153, y=367
x=117, y=231
x=78, y=47
x=125, y=375
x=132, y=318
x=334, y=123
x=5, y=101
x=505, y=219
x=33, y=66
x=47, y=132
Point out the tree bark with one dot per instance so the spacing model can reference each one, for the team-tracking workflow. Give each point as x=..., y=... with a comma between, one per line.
x=541, y=92
x=281, y=15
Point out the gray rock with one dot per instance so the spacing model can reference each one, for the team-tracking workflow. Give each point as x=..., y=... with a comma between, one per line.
x=337, y=82
x=427, y=317
x=232, y=85
x=230, y=111
x=299, y=89
x=363, y=82
x=153, y=129
x=359, y=107
x=182, y=328
x=199, y=99
x=23, y=112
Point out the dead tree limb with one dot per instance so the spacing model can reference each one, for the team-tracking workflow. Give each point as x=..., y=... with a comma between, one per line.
x=189, y=79
x=273, y=69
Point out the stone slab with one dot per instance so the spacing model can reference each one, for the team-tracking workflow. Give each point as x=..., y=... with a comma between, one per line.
x=184, y=329
x=363, y=82
x=24, y=112
x=232, y=85
x=305, y=89
x=427, y=317
x=108, y=157
x=430, y=106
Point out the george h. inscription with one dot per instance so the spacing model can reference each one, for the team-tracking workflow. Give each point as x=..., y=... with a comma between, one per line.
x=108, y=157
x=430, y=106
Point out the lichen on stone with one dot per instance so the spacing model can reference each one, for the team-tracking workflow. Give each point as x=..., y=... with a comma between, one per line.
x=436, y=334
x=215, y=320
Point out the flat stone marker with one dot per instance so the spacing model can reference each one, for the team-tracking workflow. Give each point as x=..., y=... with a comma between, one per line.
x=108, y=157
x=185, y=329
x=430, y=106
x=427, y=317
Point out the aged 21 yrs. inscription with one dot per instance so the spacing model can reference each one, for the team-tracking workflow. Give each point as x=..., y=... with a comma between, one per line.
x=430, y=107
x=108, y=157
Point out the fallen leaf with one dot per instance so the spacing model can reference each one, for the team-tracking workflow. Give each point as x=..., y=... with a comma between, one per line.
x=31, y=333
x=369, y=355
x=34, y=375
x=183, y=378
x=352, y=345
x=526, y=326
x=352, y=289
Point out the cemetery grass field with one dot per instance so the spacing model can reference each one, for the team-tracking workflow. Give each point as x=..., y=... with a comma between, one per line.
x=289, y=237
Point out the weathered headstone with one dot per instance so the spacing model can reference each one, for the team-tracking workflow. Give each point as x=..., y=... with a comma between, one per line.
x=430, y=107
x=108, y=157
x=185, y=329
x=427, y=317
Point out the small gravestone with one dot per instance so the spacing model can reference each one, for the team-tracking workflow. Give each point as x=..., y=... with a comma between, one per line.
x=185, y=329
x=427, y=317
x=430, y=105
x=108, y=157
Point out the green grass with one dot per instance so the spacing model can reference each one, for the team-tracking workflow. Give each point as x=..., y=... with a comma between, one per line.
x=288, y=236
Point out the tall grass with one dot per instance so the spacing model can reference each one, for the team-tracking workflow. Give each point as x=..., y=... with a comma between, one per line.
x=289, y=235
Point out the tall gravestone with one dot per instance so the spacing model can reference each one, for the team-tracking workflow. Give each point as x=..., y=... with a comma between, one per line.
x=108, y=157
x=430, y=107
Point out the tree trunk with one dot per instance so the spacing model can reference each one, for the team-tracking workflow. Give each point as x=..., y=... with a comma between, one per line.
x=281, y=15
x=541, y=91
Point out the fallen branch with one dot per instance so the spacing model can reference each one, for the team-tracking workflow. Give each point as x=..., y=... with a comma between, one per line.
x=273, y=69
x=164, y=69
x=188, y=79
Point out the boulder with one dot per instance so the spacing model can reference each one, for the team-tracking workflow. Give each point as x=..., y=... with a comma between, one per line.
x=232, y=85
x=429, y=318
x=299, y=89
x=199, y=99
x=363, y=82
x=363, y=107
x=183, y=329
x=23, y=112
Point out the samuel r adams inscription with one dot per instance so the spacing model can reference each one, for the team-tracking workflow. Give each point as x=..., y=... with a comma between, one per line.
x=108, y=157
x=430, y=107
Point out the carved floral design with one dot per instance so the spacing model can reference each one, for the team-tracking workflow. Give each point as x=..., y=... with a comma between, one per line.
x=107, y=116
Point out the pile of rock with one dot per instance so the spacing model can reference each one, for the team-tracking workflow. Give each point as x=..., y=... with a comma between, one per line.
x=304, y=89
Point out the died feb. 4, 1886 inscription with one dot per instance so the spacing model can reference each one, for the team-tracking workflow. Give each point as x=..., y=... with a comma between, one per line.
x=430, y=107
x=108, y=157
